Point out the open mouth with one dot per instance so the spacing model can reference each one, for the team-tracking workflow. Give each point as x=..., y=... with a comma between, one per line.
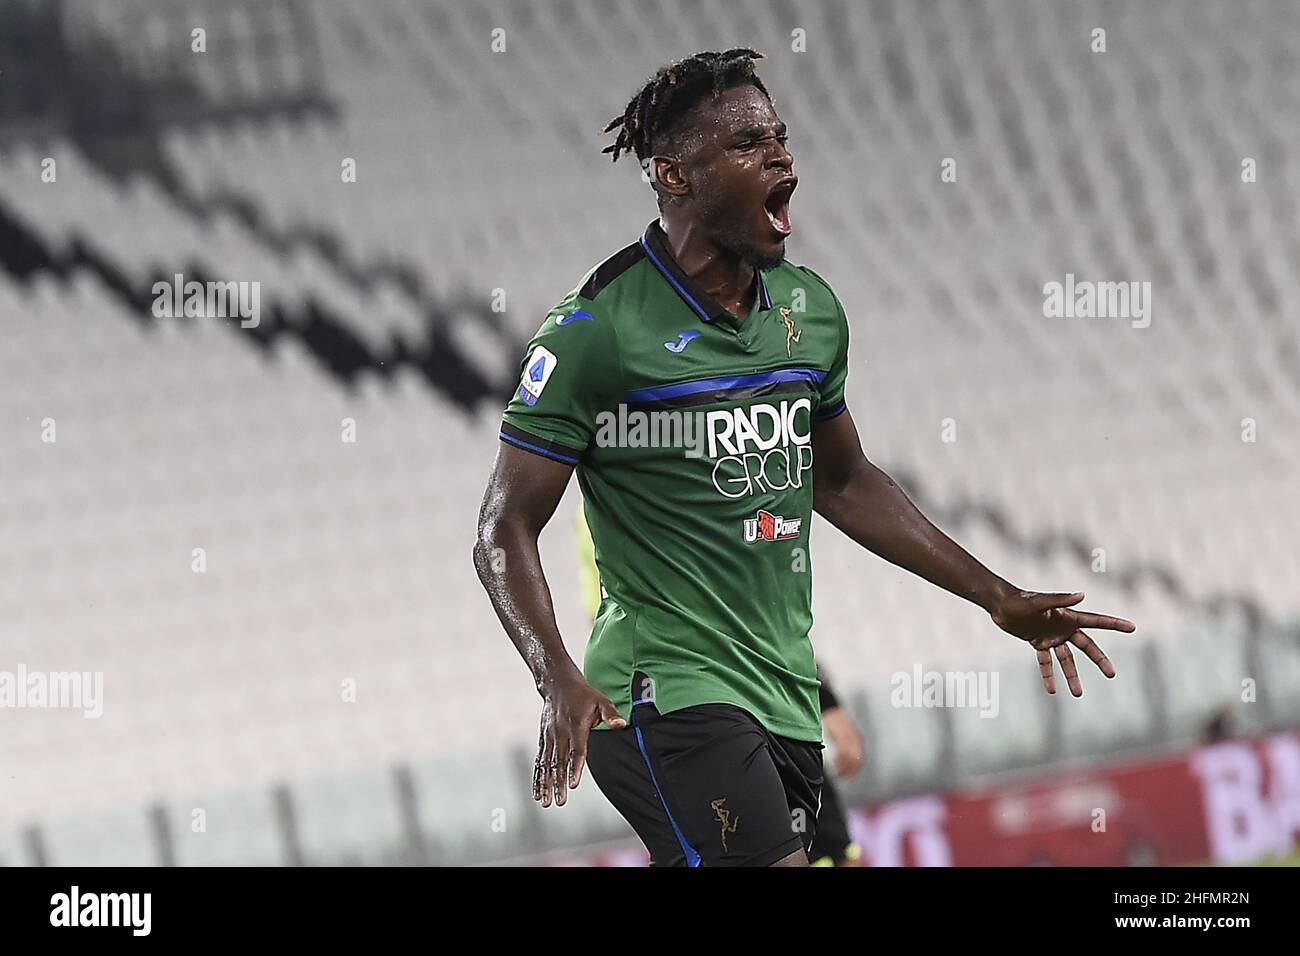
x=777, y=206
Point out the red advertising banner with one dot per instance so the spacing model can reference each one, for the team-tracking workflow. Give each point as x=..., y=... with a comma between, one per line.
x=1232, y=802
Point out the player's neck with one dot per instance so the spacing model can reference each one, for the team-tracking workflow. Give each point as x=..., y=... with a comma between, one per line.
x=720, y=273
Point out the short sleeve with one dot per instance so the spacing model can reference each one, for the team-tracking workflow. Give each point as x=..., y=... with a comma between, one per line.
x=568, y=375
x=832, y=386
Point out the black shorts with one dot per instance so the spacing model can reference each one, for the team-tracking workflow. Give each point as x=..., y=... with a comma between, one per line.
x=708, y=785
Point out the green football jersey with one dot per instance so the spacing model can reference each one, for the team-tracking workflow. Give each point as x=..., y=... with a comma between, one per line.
x=690, y=430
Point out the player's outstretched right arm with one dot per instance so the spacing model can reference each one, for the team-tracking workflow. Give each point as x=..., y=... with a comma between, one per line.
x=521, y=496
x=868, y=506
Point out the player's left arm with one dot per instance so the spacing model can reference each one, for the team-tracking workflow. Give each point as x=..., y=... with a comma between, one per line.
x=868, y=506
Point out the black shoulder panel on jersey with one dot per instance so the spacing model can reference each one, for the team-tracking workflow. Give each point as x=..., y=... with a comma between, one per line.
x=611, y=269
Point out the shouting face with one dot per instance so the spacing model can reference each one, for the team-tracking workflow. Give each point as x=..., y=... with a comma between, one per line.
x=733, y=167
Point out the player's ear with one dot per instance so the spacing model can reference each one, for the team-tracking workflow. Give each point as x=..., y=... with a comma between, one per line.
x=669, y=176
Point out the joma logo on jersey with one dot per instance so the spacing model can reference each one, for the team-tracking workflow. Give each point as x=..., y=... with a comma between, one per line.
x=769, y=527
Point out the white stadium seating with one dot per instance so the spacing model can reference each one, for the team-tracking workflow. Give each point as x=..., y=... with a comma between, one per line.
x=339, y=631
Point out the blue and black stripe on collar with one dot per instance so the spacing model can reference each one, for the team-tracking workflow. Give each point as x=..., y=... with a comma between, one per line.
x=655, y=244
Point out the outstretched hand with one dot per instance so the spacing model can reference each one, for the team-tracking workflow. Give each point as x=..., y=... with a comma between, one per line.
x=1049, y=623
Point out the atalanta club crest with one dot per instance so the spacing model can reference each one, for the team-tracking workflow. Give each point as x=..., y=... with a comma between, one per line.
x=770, y=527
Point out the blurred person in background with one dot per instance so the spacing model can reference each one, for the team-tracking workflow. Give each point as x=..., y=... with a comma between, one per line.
x=834, y=845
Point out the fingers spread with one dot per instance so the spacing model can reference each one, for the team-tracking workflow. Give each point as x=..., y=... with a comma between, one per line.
x=1066, y=657
x=1086, y=644
x=1045, y=671
x=1049, y=600
x=1048, y=642
x=1103, y=621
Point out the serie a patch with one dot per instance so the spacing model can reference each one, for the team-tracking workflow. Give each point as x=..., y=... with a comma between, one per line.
x=537, y=372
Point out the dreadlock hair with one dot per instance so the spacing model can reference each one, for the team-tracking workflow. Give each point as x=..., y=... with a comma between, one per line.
x=672, y=91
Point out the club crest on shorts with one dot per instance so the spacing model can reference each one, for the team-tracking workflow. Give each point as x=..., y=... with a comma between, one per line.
x=766, y=526
x=728, y=820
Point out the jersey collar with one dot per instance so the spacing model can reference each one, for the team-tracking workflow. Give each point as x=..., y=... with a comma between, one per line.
x=702, y=304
